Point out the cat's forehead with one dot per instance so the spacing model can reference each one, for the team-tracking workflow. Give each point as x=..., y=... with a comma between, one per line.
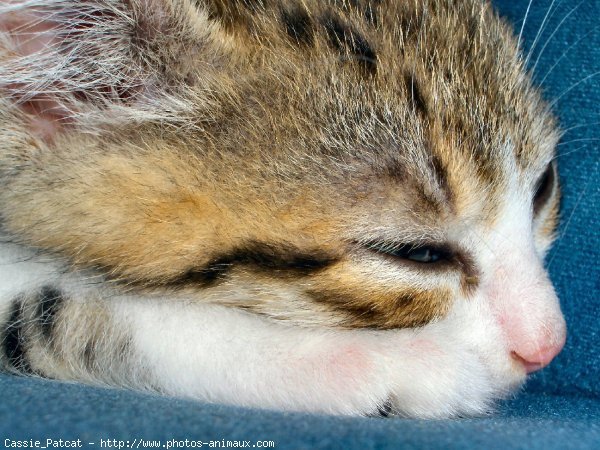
x=405, y=86
x=424, y=104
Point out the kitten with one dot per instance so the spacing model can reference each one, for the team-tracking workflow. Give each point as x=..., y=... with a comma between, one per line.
x=326, y=206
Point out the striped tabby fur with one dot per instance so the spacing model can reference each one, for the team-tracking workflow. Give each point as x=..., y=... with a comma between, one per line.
x=336, y=206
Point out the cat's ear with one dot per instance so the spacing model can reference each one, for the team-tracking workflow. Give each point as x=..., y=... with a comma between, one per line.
x=72, y=62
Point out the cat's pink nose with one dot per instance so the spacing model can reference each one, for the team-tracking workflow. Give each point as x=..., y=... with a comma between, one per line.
x=538, y=359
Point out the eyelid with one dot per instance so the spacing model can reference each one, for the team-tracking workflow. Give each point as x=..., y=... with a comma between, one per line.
x=455, y=259
x=396, y=250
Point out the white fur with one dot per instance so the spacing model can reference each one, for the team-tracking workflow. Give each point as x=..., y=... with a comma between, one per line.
x=22, y=269
x=213, y=353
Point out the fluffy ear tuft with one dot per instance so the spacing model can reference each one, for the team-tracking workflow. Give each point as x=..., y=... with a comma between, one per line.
x=80, y=62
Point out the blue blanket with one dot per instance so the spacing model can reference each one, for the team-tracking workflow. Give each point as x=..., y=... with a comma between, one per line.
x=560, y=407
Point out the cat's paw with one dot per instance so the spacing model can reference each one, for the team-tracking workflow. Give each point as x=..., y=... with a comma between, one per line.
x=446, y=369
x=441, y=381
x=411, y=373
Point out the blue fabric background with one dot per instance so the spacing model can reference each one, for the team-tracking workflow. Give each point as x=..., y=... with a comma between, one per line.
x=574, y=260
x=561, y=406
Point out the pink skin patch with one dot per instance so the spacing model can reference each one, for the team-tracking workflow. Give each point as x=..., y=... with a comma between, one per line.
x=348, y=366
x=46, y=117
x=348, y=362
x=343, y=368
x=425, y=347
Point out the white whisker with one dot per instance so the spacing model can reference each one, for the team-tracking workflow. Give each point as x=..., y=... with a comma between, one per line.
x=579, y=140
x=566, y=52
x=560, y=155
x=581, y=125
x=573, y=86
x=540, y=32
x=568, y=223
x=554, y=33
x=523, y=24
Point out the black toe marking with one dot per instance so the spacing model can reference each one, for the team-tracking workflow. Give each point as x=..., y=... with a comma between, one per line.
x=383, y=410
x=386, y=410
x=50, y=301
x=88, y=354
x=14, y=342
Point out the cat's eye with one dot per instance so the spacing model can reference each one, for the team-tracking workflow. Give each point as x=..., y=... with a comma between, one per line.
x=419, y=254
x=544, y=188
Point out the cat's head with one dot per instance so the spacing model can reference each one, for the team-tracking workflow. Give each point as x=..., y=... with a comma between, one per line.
x=387, y=165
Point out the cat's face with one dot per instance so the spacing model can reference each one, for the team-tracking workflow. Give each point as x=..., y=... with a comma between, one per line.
x=389, y=175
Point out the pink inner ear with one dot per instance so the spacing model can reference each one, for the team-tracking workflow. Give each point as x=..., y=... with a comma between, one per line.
x=29, y=35
x=51, y=59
